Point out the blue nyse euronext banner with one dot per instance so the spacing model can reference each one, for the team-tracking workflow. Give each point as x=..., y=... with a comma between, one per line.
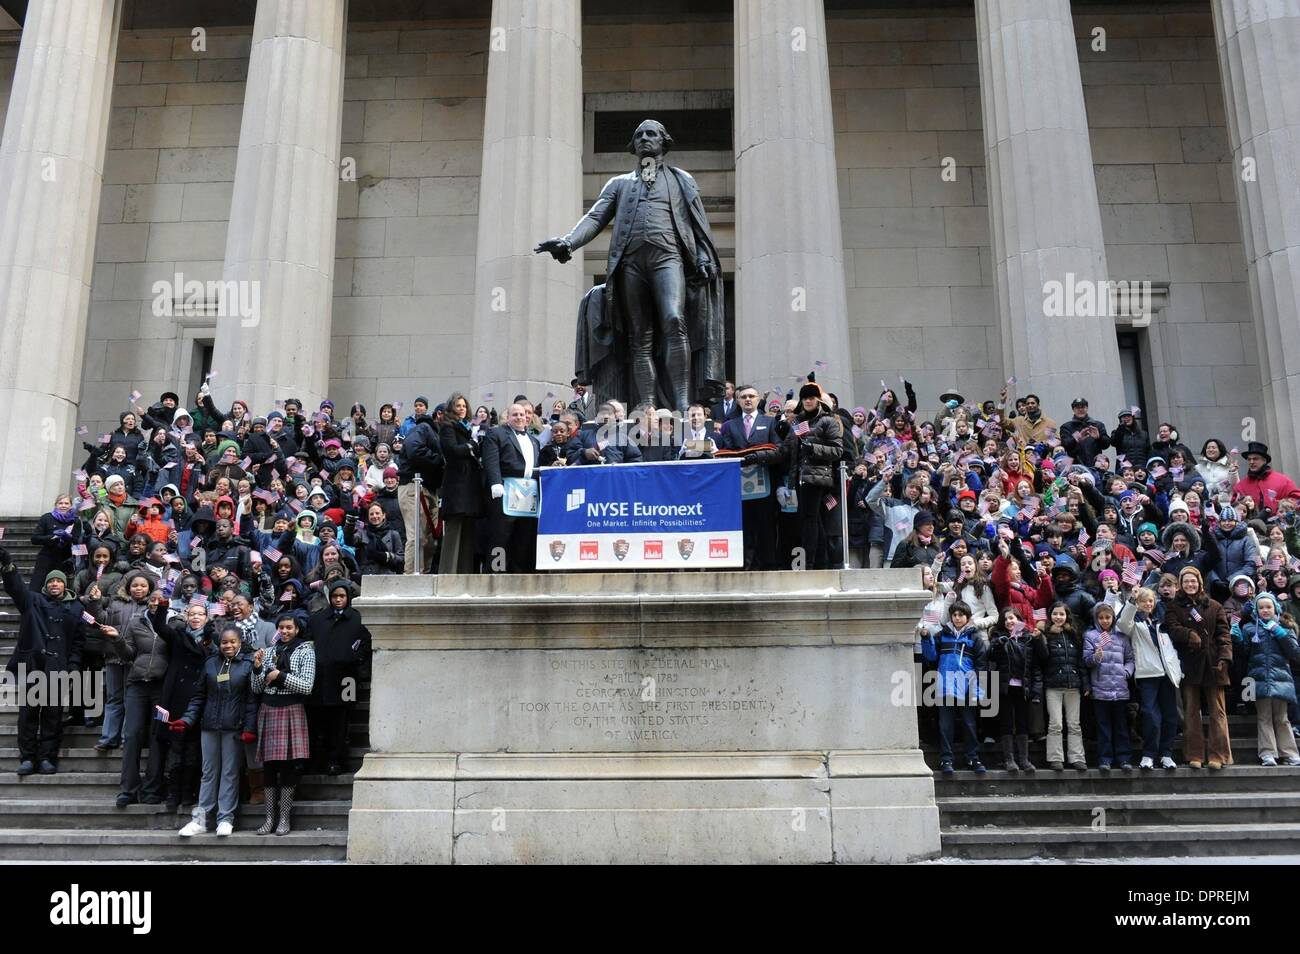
x=660, y=516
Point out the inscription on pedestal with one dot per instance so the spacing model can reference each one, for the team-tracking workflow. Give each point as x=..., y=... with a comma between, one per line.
x=651, y=697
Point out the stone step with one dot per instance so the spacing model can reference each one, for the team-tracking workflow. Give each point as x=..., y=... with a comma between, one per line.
x=53, y=844
x=104, y=785
x=1114, y=841
x=65, y=814
x=79, y=736
x=1081, y=811
x=74, y=760
x=1048, y=784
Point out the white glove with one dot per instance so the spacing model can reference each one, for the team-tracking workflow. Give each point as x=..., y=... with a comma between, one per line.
x=498, y=491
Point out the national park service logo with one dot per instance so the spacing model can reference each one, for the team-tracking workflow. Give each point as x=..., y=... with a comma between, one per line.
x=557, y=550
x=686, y=547
x=621, y=548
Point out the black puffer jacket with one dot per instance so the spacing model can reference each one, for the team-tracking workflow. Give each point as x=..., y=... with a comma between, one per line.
x=1065, y=580
x=224, y=705
x=1013, y=657
x=813, y=457
x=1133, y=444
x=1060, y=656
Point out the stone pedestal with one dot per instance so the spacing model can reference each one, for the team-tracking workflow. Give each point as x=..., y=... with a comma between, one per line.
x=791, y=308
x=1259, y=60
x=673, y=718
x=526, y=305
x=1043, y=209
x=280, y=242
x=51, y=172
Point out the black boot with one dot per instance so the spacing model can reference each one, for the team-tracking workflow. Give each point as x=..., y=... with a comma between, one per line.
x=1022, y=754
x=286, y=808
x=272, y=802
x=172, y=785
x=1009, y=754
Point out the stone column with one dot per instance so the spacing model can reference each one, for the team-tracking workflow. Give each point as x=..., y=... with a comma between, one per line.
x=51, y=170
x=280, y=243
x=530, y=188
x=1259, y=60
x=1043, y=210
x=791, y=307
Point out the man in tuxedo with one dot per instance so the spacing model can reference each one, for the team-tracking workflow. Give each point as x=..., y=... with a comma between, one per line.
x=727, y=408
x=581, y=404
x=508, y=450
x=758, y=517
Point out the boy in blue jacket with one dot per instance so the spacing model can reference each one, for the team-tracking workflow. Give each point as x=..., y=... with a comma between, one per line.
x=959, y=650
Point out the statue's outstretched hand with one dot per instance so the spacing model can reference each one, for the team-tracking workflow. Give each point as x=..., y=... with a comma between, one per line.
x=558, y=249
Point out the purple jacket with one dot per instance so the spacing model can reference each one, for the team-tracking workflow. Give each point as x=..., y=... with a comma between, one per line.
x=1110, y=672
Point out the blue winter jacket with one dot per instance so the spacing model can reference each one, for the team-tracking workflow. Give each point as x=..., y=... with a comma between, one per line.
x=960, y=655
x=1270, y=646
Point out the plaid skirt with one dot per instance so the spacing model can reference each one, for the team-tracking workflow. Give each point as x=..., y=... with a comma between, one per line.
x=282, y=733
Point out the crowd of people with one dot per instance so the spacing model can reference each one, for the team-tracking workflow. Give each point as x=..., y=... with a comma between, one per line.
x=207, y=561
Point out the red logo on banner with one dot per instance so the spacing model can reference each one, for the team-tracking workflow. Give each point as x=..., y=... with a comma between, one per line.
x=589, y=550
x=718, y=549
x=654, y=550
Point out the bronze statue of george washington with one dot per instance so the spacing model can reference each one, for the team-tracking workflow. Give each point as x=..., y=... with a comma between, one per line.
x=654, y=331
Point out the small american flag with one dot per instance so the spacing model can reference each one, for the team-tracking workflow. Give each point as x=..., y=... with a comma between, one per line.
x=1295, y=563
x=198, y=599
x=1196, y=614
x=272, y=554
x=1131, y=572
x=1040, y=616
x=1275, y=561
x=78, y=549
x=488, y=395
x=1158, y=471
x=87, y=618
x=1155, y=554
x=801, y=428
x=819, y=365
x=286, y=596
x=83, y=429
x=246, y=463
x=135, y=396
x=930, y=616
x=1083, y=537
x=1104, y=641
x=1011, y=380
x=105, y=438
x=1235, y=619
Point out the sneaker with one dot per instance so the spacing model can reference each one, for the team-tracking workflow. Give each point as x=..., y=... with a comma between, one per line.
x=1291, y=760
x=1167, y=763
x=48, y=767
x=978, y=767
x=1104, y=766
x=225, y=829
x=1194, y=764
x=1056, y=766
x=1080, y=766
x=1214, y=766
x=1147, y=763
x=1268, y=761
x=1126, y=766
x=192, y=829
x=125, y=799
x=26, y=767
x=945, y=768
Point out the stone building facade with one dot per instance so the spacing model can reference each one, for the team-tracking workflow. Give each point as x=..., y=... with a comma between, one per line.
x=891, y=186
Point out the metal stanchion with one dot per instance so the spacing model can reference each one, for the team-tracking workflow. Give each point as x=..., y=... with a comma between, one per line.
x=844, y=512
x=419, y=523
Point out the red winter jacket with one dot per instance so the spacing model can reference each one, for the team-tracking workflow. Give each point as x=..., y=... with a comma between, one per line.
x=1267, y=490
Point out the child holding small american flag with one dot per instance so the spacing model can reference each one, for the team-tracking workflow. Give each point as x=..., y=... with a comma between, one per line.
x=1058, y=650
x=1108, y=653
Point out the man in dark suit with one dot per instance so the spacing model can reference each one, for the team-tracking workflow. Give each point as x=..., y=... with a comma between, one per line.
x=698, y=428
x=727, y=408
x=758, y=517
x=508, y=450
x=581, y=405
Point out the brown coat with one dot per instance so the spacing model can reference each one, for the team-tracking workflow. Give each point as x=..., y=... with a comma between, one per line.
x=1202, y=644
